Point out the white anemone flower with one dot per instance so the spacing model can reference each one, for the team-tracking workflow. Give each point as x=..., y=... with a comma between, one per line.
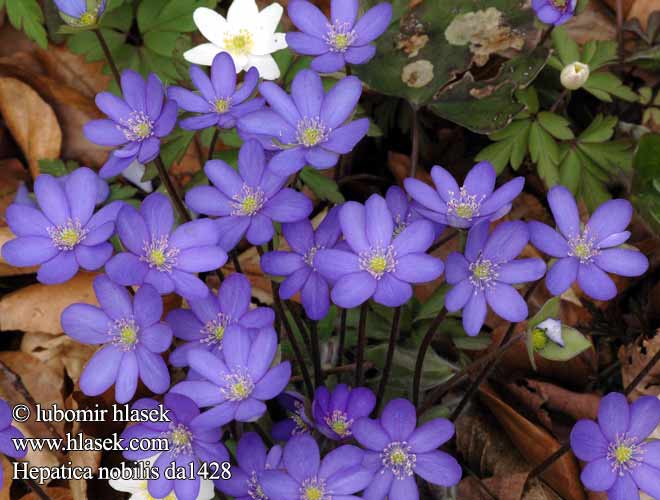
x=139, y=488
x=247, y=35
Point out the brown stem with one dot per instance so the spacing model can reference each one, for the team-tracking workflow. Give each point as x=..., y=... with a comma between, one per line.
x=301, y=327
x=450, y=236
x=421, y=354
x=108, y=56
x=316, y=353
x=237, y=264
x=449, y=385
x=337, y=370
x=171, y=189
x=214, y=141
x=619, y=30
x=559, y=100
x=362, y=342
x=394, y=337
x=279, y=312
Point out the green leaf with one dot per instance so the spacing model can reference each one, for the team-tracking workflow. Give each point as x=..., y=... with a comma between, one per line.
x=557, y=125
x=569, y=171
x=645, y=186
x=172, y=15
x=434, y=304
x=121, y=192
x=601, y=129
x=542, y=145
x=56, y=167
x=598, y=53
x=574, y=344
x=26, y=15
x=568, y=50
x=498, y=153
x=603, y=84
x=529, y=98
x=176, y=146
x=323, y=187
x=549, y=310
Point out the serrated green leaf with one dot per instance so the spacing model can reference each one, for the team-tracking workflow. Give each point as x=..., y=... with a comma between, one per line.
x=511, y=130
x=574, y=344
x=613, y=157
x=592, y=190
x=569, y=171
x=322, y=186
x=645, y=188
x=542, y=145
x=556, y=125
x=519, y=148
x=567, y=49
x=603, y=84
x=601, y=129
x=26, y=15
x=598, y=53
x=497, y=153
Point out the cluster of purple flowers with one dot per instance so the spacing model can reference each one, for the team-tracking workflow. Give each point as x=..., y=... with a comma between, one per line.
x=375, y=250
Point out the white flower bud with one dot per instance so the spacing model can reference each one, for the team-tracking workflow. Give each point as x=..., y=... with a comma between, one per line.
x=552, y=328
x=574, y=75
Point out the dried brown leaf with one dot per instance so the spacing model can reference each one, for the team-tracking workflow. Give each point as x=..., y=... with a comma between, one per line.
x=8, y=269
x=31, y=121
x=633, y=359
x=37, y=308
x=55, y=493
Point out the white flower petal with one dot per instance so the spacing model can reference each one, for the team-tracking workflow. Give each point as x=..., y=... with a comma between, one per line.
x=241, y=61
x=269, y=18
x=268, y=69
x=202, y=54
x=267, y=44
x=206, y=491
x=552, y=328
x=243, y=14
x=210, y=24
x=128, y=485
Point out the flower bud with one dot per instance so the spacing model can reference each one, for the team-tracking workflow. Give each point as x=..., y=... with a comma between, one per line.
x=574, y=75
x=79, y=14
x=552, y=328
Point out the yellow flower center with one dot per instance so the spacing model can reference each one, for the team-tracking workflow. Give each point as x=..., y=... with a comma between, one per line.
x=539, y=339
x=240, y=43
x=398, y=457
x=560, y=3
x=157, y=257
x=219, y=332
x=142, y=130
x=128, y=335
x=313, y=493
x=70, y=237
x=222, y=105
x=249, y=205
x=311, y=136
x=88, y=18
x=240, y=390
x=180, y=437
x=341, y=41
x=464, y=210
x=623, y=453
x=581, y=250
x=481, y=271
x=378, y=264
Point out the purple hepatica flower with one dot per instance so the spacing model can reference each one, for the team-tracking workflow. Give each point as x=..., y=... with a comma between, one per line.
x=377, y=264
x=7, y=433
x=253, y=458
x=336, y=412
x=399, y=450
x=205, y=324
x=308, y=126
x=137, y=122
x=249, y=201
x=220, y=102
x=297, y=421
x=187, y=444
x=404, y=212
x=554, y=11
x=237, y=386
x=340, y=39
x=132, y=335
x=487, y=271
x=620, y=460
x=80, y=12
x=161, y=257
x=586, y=254
x=463, y=207
x=337, y=477
x=63, y=234
x=298, y=265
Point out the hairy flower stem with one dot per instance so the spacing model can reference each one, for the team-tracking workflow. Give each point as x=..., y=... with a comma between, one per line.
x=301, y=327
x=316, y=353
x=338, y=370
x=214, y=141
x=421, y=354
x=264, y=435
x=108, y=56
x=171, y=190
x=281, y=317
x=362, y=343
x=394, y=337
x=342, y=339
x=488, y=369
x=449, y=385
